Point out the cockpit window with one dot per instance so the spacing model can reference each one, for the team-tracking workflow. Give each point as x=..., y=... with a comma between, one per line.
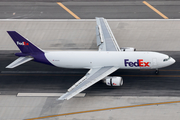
x=166, y=59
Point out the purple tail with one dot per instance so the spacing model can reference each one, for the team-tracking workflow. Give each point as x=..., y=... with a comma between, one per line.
x=24, y=45
x=28, y=50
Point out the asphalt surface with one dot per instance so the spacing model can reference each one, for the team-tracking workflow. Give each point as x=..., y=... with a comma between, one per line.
x=34, y=77
x=88, y=10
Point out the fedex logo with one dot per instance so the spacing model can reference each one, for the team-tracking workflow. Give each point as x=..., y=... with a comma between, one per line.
x=139, y=63
x=22, y=43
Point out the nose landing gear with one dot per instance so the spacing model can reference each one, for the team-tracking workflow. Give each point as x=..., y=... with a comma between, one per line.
x=157, y=72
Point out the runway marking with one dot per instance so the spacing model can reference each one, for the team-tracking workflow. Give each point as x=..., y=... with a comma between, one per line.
x=169, y=70
x=150, y=75
x=46, y=94
x=66, y=72
x=82, y=75
x=105, y=109
x=157, y=11
x=69, y=11
x=159, y=70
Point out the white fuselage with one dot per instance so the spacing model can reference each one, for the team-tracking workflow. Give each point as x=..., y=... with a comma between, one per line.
x=96, y=59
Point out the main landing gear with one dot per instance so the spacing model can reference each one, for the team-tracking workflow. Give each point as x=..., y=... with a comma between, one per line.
x=157, y=72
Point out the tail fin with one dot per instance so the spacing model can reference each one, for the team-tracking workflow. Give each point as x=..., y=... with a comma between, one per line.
x=28, y=50
x=23, y=44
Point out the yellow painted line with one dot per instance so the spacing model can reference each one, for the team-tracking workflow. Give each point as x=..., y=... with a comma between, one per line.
x=97, y=110
x=150, y=75
x=159, y=70
x=82, y=75
x=157, y=11
x=170, y=70
x=69, y=11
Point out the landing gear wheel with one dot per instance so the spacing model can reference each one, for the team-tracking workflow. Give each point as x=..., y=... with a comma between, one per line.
x=157, y=72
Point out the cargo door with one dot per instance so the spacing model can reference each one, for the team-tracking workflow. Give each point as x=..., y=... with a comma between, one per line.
x=154, y=63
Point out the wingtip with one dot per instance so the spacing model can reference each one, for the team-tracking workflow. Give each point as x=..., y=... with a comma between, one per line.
x=10, y=31
x=59, y=99
x=8, y=67
x=99, y=17
x=63, y=97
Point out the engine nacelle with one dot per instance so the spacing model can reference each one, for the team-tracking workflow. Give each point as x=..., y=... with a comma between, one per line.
x=128, y=49
x=114, y=81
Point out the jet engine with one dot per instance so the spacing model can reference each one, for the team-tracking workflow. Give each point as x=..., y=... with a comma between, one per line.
x=113, y=81
x=128, y=49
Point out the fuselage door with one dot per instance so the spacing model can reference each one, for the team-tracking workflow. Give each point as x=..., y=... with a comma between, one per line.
x=154, y=63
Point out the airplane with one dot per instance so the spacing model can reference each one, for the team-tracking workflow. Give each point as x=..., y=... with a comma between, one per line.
x=109, y=58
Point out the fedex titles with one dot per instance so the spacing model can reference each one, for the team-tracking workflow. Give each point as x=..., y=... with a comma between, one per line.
x=139, y=63
x=22, y=43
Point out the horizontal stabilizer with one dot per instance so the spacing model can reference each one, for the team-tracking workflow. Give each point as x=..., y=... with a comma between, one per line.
x=19, y=61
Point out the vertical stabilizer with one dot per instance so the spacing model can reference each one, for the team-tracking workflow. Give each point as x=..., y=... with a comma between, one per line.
x=28, y=51
x=23, y=44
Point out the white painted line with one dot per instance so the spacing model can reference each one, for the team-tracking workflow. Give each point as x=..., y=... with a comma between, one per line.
x=46, y=94
x=36, y=72
x=82, y=20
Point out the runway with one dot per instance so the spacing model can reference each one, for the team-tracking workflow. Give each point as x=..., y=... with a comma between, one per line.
x=88, y=9
x=39, y=78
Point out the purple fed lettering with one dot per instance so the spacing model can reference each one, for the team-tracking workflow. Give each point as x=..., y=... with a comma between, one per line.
x=125, y=62
x=136, y=64
x=131, y=64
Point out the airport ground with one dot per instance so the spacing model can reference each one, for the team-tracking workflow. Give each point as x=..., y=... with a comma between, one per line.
x=144, y=95
x=118, y=9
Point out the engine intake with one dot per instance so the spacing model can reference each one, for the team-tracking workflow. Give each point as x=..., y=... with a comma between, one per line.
x=114, y=81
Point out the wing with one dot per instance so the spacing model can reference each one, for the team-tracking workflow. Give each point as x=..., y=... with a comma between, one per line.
x=93, y=75
x=105, y=38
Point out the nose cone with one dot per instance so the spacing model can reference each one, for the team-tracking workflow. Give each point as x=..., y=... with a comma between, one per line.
x=167, y=61
x=172, y=61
